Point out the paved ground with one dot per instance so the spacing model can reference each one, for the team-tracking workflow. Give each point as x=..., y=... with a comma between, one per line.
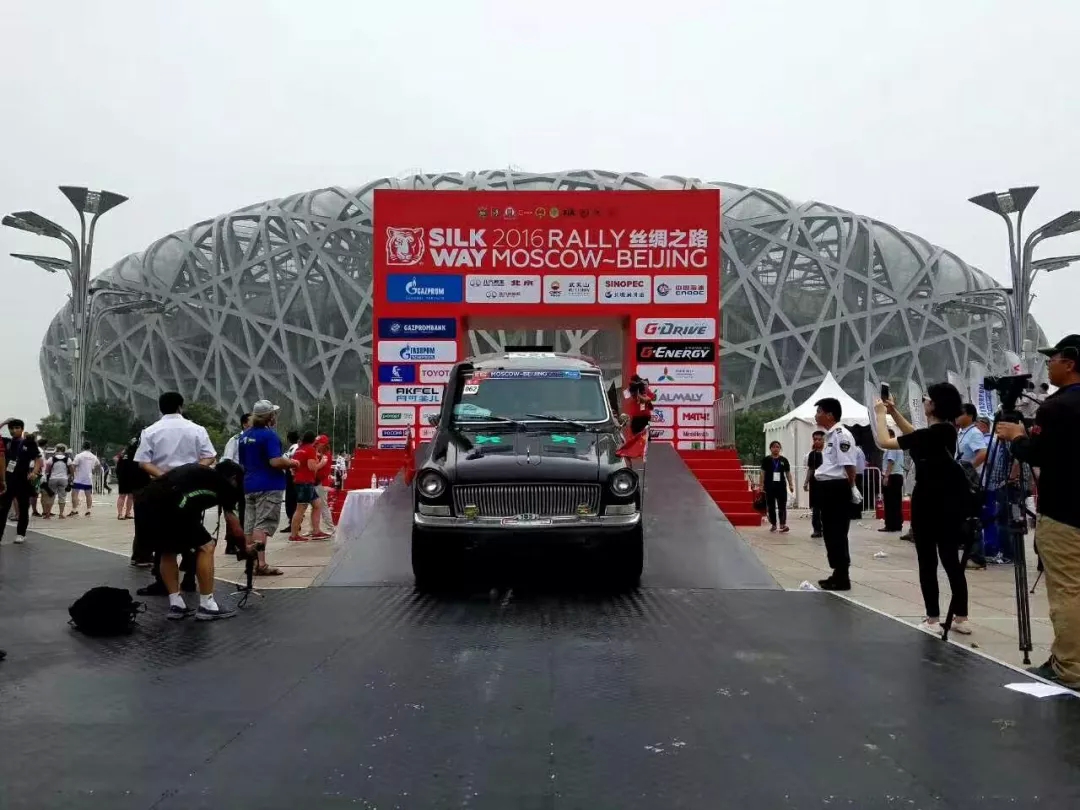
x=889, y=585
x=300, y=562
x=377, y=697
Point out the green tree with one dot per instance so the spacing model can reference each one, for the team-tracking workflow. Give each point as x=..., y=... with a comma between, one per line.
x=338, y=423
x=750, y=432
x=55, y=428
x=218, y=424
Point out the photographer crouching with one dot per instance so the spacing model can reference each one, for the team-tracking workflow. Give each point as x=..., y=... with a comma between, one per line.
x=1053, y=445
x=171, y=510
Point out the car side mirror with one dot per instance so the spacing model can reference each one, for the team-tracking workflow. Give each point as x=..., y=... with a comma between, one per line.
x=433, y=420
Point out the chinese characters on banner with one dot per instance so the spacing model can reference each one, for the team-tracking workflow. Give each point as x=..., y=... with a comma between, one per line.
x=650, y=259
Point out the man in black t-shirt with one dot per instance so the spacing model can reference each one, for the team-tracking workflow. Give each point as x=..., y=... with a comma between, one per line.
x=169, y=516
x=22, y=466
x=813, y=461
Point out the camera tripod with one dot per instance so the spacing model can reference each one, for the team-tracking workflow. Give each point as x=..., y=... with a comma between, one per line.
x=1011, y=516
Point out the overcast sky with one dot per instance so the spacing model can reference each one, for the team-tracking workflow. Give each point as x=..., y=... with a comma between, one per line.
x=898, y=109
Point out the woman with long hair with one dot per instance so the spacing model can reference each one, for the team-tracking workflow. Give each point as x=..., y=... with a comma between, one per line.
x=937, y=517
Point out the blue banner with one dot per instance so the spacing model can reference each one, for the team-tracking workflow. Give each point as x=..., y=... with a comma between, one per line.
x=399, y=373
x=398, y=328
x=424, y=289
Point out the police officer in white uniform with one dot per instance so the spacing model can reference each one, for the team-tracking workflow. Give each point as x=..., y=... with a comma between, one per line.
x=836, y=491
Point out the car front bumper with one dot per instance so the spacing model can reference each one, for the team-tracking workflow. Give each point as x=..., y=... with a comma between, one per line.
x=562, y=523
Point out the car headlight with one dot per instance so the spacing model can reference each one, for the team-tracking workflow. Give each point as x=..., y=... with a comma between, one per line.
x=431, y=484
x=623, y=483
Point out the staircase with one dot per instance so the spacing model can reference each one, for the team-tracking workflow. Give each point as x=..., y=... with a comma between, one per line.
x=720, y=473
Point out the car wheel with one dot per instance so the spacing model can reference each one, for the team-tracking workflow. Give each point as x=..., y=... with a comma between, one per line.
x=627, y=559
x=433, y=559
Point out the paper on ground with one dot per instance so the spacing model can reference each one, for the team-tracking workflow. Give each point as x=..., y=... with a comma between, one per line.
x=1040, y=690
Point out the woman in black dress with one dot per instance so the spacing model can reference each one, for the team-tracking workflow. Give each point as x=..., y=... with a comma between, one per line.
x=937, y=519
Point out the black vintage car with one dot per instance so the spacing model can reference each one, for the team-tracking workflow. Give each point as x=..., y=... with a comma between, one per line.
x=524, y=453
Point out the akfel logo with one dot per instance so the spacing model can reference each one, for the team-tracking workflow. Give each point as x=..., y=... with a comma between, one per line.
x=404, y=246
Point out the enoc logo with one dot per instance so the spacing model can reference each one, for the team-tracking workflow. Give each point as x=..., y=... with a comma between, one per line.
x=697, y=351
x=404, y=246
x=700, y=328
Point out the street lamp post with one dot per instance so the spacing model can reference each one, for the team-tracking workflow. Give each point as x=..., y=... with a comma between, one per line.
x=1022, y=268
x=94, y=203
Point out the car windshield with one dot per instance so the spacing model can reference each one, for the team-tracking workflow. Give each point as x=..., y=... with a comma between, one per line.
x=525, y=395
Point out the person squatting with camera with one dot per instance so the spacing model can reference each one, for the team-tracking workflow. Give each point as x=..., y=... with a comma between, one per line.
x=938, y=508
x=1052, y=444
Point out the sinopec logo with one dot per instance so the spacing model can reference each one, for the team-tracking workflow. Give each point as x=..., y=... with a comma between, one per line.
x=696, y=351
x=699, y=328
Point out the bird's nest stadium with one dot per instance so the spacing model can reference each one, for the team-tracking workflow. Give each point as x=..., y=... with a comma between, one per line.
x=274, y=301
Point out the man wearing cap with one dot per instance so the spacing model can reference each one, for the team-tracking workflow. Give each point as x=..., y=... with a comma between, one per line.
x=1053, y=445
x=264, y=480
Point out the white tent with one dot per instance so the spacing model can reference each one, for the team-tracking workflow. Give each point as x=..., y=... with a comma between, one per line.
x=795, y=430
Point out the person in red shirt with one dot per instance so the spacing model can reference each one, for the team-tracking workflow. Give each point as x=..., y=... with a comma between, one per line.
x=324, y=476
x=639, y=404
x=304, y=478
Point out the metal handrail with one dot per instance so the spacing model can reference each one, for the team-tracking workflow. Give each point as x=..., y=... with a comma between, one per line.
x=724, y=421
x=365, y=421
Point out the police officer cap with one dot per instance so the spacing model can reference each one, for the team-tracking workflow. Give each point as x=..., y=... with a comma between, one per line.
x=1068, y=346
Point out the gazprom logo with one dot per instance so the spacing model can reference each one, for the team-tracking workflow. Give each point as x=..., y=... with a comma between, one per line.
x=401, y=288
x=414, y=353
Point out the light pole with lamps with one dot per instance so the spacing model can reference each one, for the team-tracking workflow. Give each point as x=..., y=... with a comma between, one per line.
x=1022, y=269
x=85, y=201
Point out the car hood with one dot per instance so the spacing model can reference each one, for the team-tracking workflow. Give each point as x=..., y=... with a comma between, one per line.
x=537, y=455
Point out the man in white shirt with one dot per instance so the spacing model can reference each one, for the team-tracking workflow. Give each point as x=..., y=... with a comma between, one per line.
x=170, y=442
x=837, y=491
x=84, y=465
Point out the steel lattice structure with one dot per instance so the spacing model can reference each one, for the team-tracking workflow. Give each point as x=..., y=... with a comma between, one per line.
x=274, y=301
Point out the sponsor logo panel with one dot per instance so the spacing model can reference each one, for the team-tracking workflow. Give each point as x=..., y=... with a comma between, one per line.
x=410, y=394
x=401, y=433
x=696, y=445
x=698, y=434
x=404, y=328
x=397, y=373
x=417, y=351
x=624, y=289
x=663, y=433
x=397, y=416
x=663, y=416
x=569, y=289
x=439, y=373
x=680, y=289
x=390, y=444
x=427, y=433
x=685, y=394
x=663, y=374
x=696, y=417
x=404, y=288
x=491, y=289
x=676, y=328
x=428, y=411
x=692, y=351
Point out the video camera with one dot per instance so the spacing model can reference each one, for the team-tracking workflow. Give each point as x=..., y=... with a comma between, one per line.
x=1010, y=388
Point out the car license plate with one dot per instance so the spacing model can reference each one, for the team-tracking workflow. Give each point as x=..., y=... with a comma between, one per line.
x=523, y=521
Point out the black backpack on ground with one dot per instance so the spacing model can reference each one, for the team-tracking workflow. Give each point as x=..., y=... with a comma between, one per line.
x=105, y=611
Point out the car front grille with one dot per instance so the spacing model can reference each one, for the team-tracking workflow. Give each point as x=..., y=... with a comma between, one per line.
x=509, y=500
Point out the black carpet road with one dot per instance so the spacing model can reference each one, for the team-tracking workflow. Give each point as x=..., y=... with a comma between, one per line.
x=375, y=697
